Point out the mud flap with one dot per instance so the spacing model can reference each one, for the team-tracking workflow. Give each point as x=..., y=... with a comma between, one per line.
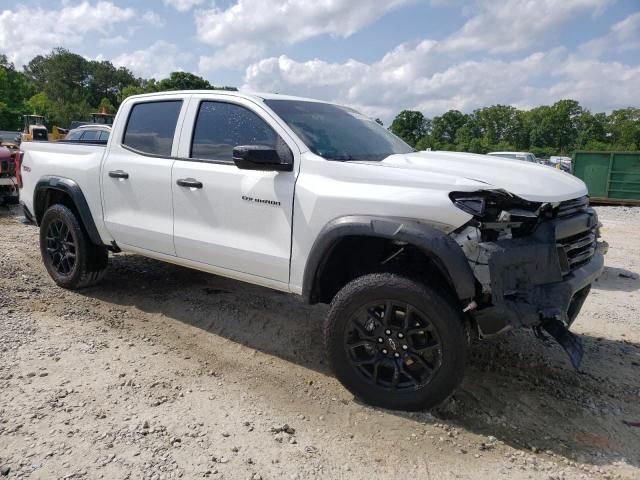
x=571, y=342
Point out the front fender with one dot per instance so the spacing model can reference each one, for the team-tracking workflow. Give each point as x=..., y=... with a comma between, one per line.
x=437, y=245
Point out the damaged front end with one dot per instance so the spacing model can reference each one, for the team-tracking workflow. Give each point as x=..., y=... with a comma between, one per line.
x=534, y=262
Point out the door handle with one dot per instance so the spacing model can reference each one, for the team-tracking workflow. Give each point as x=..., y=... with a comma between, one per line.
x=189, y=183
x=119, y=174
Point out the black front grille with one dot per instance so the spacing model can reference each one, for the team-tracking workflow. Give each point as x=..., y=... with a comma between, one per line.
x=571, y=207
x=579, y=248
x=576, y=250
x=4, y=166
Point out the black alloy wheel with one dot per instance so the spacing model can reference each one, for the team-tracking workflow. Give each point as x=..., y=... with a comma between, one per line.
x=71, y=258
x=393, y=345
x=395, y=342
x=61, y=247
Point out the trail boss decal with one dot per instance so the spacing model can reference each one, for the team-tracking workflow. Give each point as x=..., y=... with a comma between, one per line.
x=261, y=200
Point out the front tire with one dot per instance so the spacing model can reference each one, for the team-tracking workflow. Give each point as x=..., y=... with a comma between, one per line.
x=69, y=256
x=395, y=343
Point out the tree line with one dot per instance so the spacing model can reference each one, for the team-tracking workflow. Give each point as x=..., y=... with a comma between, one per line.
x=64, y=86
x=558, y=129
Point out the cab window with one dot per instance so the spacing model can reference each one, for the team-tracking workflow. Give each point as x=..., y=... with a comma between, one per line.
x=151, y=127
x=221, y=126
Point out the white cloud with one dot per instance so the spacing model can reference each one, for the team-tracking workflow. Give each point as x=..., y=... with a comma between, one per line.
x=623, y=36
x=157, y=61
x=230, y=57
x=421, y=76
x=498, y=26
x=183, y=5
x=252, y=26
x=468, y=69
x=152, y=18
x=26, y=31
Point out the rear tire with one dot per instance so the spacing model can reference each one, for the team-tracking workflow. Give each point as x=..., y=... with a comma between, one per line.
x=396, y=343
x=69, y=256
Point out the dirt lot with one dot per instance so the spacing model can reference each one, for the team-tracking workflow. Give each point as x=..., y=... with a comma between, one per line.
x=163, y=372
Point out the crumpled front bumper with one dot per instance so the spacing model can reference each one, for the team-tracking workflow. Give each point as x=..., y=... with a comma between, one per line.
x=532, y=279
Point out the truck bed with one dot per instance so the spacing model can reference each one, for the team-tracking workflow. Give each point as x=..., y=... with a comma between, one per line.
x=78, y=161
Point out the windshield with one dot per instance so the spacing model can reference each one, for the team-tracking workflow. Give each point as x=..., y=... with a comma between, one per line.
x=338, y=133
x=512, y=156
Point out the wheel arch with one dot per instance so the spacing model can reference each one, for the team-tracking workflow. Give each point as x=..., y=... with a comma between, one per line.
x=438, y=248
x=50, y=190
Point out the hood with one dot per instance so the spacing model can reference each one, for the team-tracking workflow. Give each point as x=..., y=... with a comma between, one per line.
x=530, y=181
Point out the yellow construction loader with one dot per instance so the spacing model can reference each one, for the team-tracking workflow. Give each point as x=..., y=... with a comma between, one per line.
x=34, y=129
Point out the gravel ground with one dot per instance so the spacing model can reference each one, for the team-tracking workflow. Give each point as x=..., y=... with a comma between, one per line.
x=163, y=372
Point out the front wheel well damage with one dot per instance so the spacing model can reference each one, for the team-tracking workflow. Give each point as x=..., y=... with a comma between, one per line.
x=351, y=257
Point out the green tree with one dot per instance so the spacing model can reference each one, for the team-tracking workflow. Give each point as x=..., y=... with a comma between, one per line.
x=499, y=124
x=39, y=104
x=129, y=91
x=15, y=89
x=623, y=128
x=411, y=126
x=107, y=105
x=184, y=81
x=105, y=81
x=445, y=129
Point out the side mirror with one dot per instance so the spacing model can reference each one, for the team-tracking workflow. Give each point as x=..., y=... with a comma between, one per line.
x=260, y=157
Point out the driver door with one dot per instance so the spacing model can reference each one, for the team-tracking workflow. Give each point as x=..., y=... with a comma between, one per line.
x=239, y=221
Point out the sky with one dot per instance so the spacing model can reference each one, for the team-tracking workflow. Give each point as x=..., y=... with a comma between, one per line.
x=378, y=56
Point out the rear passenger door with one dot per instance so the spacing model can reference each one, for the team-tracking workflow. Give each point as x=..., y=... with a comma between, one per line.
x=237, y=220
x=136, y=174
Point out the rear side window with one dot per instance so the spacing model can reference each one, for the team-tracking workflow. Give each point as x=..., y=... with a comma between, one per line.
x=74, y=135
x=222, y=126
x=90, y=135
x=151, y=127
x=104, y=136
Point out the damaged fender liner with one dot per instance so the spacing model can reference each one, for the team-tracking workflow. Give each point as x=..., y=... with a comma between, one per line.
x=528, y=284
x=436, y=244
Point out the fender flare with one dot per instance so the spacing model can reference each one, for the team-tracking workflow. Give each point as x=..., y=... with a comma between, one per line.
x=74, y=191
x=437, y=245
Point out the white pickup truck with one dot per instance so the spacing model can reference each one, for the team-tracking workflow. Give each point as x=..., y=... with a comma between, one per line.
x=417, y=252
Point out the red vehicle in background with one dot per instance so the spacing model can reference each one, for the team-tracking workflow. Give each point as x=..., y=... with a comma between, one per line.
x=10, y=178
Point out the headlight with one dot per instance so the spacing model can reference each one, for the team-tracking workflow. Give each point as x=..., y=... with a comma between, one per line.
x=472, y=205
x=491, y=206
x=485, y=204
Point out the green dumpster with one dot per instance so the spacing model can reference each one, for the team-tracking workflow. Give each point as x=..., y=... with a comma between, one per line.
x=611, y=177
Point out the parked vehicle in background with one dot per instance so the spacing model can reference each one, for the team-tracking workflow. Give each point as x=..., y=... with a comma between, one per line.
x=89, y=133
x=415, y=251
x=9, y=173
x=524, y=156
x=102, y=118
x=562, y=163
x=34, y=130
x=97, y=118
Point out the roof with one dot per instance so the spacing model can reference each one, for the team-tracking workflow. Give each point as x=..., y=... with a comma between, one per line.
x=93, y=126
x=254, y=96
x=509, y=153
